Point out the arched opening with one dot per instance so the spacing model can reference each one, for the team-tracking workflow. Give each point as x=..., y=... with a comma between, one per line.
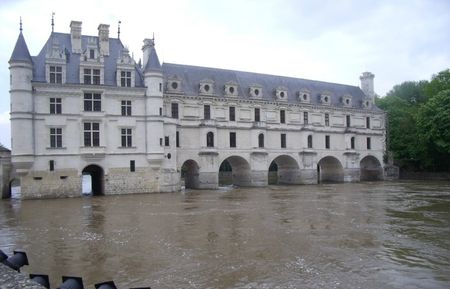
x=190, y=175
x=310, y=141
x=235, y=171
x=283, y=170
x=371, y=169
x=93, y=180
x=330, y=170
x=261, y=140
x=210, y=139
x=14, y=190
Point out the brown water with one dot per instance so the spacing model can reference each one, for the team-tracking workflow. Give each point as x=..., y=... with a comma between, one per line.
x=366, y=235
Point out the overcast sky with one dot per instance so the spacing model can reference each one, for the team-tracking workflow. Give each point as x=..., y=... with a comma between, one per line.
x=328, y=40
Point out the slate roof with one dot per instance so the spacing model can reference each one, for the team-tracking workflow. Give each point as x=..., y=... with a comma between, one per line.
x=21, y=52
x=4, y=149
x=191, y=76
x=153, y=61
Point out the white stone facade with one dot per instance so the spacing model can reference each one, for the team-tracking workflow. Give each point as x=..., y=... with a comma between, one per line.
x=154, y=128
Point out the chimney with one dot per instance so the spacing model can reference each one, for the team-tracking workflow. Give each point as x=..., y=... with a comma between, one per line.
x=103, y=39
x=146, y=49
x=367, y=84
x=75, y=36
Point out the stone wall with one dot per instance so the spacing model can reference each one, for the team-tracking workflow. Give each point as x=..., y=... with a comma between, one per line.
x=5, y=170
x=10, y=279
x=56, y=184
x=122, y=181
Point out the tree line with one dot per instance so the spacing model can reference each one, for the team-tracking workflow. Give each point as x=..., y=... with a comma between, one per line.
x=418, y=123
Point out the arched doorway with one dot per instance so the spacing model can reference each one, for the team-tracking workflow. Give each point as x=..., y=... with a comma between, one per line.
x=330, y=170
x=235, y=170
x=190, y=175
x=14, y=190
x=283, y=170
x=371, y=169
x=93, y=180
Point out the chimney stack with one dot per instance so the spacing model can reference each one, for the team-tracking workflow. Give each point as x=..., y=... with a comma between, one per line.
x=146, y=49
x=103, y=39
x=75, y=36
x=367, y=84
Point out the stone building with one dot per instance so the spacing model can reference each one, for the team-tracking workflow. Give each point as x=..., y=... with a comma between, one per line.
x=83, y=106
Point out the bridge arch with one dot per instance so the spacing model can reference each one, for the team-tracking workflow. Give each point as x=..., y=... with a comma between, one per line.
x=93, y=181
x=371, y=169
x=283, y=169
x=190, y=174
x=235, y=170
x=330, y=170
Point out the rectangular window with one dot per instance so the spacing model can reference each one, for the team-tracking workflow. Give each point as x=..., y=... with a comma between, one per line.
x=347, y=121
x=369, y=143
x=91, y=76
x=126, y=137
x=55, y=105
x=125, y=78
x=132, y=166
x=207, y=111
x=56, y=137
x=368, y=122
x=91, y=134
x=91, y=53
x=55, y=74
x=160, y=111
x=92, y=102
x=257, y=114
x=283, y=140
x=310, y=141
x=232, y=139
x=177, y=139
x=160, y=141
x=126, y=107
x=327, y=141
x=352, y=143
x=51, y=165
x=282, y=116
x=232, y=113
x=174, y=110
x=327, y=119
x=166, y=141
x=305, y=117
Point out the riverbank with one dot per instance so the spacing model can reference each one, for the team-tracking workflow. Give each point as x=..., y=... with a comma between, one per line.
x=10, y=279
x=426, y=176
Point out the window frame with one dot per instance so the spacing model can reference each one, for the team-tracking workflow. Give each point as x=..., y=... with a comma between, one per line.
x=327, y=142
x=91, y=134
x=55, y=74
x=305, y=118
x=55, y=105
x=210, y=139
x=261, y=140
x=310, y=141
x=92, y=102
x=327, y=119
x=55, y=137
x=125, y=107
x=174, y=110
x=283, y=140
x=232, y=139
x=206, y=112
x=126, y=137
x=257, y=114
x=125, y=78
x=282, y=116
x=232, y=113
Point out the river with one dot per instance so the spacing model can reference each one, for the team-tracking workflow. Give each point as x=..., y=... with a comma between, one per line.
x=362, y=235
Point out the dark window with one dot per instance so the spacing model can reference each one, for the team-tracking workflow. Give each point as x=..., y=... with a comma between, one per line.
x=174, y=110
x=283, y=140
x=368, y=122
x=56, y=137
x=347, y=118
x=166, y=141
x=210, y=139
x=91, y=53
x=55, y=74
x=310, y=141
x=177, y=139
x=160, y=86
x=232, y=139
x=369, y=144
x=232, y=113
x=327, y=141
x=125, y=78
x=261, y=140
x=126, y=107
x=51, y=165
x=207, y=111
x=327, y=119
x=257, y=114
x=132, y=166
x=160, y=141
x=92, y=102
x=55, y=105
x=91, y=76
x=282, y=116
x=305, y=117
x=126, y=137
x=160, y=111
x=352, y=143
x=91, y=134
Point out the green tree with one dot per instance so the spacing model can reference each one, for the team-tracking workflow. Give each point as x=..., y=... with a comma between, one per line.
x=438, y=83
x=410, y=91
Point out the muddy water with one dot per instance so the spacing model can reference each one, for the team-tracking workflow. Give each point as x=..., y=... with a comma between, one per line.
x=367, y=235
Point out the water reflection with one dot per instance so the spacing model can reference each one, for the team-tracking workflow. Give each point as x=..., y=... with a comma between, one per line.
x=368, y=235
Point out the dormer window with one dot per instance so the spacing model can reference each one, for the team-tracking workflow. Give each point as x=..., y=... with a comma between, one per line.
x=230, y=89
x=206, y=87
x=255, y=91
x=125, y=78
x=91, y=76
x=367, y=103
x=281, y=93
x=91, y=53
x=325, y=98
x=55, y=74
x=303, y=96
x=173, y=84
x=347, y=100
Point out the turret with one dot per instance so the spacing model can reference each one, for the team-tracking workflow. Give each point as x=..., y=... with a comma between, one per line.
x=75, y=36
x=367, y=84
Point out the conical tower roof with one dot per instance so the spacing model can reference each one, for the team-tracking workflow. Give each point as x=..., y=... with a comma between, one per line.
x=153, y=63
x=21, y=52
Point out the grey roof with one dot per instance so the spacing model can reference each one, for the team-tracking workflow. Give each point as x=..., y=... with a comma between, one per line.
x=153, y=61
x=191, y=76
x=73, y=60
x=4, y=149
x=20, y=52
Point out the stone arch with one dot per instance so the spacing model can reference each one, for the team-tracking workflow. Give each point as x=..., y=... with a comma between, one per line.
x=235, y=170
x=330, y=170
x=97, y=180
x=283, y=169
x=14, y=189
x=371, y=169
x=190, y=174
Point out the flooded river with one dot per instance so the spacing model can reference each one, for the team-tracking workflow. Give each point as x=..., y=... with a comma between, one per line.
x=365, y=235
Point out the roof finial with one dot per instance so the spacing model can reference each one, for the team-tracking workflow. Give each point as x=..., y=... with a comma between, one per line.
x=118, y=29
x=20, y=24
x=53, y=21
x=153, y=38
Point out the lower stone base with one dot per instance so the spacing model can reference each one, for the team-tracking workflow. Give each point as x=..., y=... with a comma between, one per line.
x=351, y=175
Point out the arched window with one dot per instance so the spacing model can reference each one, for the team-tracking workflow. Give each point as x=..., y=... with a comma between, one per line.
x=310, y=143
x=261, y=140
x=210, y=139
x=352, y=143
